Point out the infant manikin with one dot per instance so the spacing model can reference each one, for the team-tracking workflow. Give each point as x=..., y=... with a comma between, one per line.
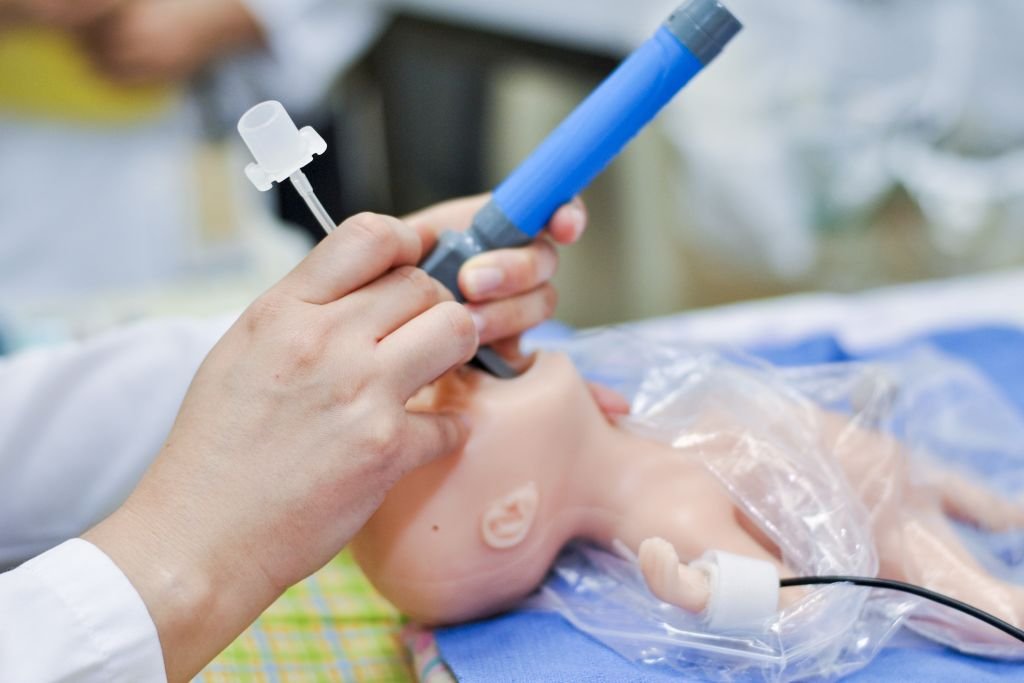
x=473, y=534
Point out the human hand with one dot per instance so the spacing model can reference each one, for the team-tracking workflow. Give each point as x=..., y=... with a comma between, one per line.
x=148, y=42
x=294, y=429
x=508, y=290
x=56, y=13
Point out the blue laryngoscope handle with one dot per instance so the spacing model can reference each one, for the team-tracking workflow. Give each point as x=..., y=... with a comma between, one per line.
x=594, y=134
x=585, y=143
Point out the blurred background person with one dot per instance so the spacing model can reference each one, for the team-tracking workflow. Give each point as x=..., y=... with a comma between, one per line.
x=118, y=194
x=836, y=145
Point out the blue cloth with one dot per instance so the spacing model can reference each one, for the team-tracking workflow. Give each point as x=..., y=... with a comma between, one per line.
x=543, y=647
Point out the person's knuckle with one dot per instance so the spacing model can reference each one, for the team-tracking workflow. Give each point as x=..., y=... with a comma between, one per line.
x=406, y=233
x=518, y=266
x=347, y=391
x=460, y=322
x=549, y=301
x=423, y=286
x=383, y=439
x=262, y=313
x=373, y=229
x=305, y=348
x=522, y=317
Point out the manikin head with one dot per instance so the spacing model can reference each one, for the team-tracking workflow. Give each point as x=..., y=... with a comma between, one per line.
x=478, y=522
x=472, y=534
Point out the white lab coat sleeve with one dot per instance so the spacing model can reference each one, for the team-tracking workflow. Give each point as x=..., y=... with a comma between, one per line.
x=81, y=423
x=309, y=44
x=71, y=616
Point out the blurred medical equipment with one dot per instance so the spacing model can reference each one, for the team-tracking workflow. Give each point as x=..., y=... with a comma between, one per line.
x=583, y=145
x=916, y=144
x=281, y=151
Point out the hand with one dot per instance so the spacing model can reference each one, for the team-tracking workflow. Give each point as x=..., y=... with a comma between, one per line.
x=150, y=42
x=291, y=434
x=508, y=290
x=57, y=13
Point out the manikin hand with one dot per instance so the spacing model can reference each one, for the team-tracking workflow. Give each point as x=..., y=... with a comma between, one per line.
x=152, y=42
x=292, y=432
x=670, y=580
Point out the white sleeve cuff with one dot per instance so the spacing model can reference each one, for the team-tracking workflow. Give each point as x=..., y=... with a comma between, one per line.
x=72, y=615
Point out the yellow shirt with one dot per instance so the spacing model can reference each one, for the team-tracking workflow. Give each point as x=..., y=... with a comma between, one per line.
x=44, y=74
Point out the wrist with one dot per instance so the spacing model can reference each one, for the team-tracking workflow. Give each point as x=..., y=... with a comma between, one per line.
x=198, y=603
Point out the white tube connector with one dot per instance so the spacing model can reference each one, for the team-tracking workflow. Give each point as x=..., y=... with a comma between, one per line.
x=279, y=147
x=744, y=591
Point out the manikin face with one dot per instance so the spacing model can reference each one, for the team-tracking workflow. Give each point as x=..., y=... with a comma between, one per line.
x=527, y=430
x=476, y=515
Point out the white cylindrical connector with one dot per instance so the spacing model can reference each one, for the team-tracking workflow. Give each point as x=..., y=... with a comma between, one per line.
x=744, y=591
x=279, y=147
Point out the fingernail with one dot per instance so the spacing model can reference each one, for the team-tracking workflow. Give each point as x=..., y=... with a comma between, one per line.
x=579, y=222
x=480, y=323
x=547, y=266
x=484, y=280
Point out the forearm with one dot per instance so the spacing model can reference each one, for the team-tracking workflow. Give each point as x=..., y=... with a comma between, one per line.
x=199, y=600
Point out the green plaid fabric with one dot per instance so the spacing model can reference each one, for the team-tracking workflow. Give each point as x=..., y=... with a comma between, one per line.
x=333, y=628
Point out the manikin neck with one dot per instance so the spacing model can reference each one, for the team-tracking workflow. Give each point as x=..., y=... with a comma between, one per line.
x=613, y=471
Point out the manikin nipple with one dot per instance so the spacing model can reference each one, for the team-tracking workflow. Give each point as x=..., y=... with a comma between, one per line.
x=507, y=521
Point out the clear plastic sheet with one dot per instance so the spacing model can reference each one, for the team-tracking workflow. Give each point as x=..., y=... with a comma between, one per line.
x=783, y=472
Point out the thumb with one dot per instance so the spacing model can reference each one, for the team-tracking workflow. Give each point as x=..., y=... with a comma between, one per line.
x=455, y=214
x=432, y=436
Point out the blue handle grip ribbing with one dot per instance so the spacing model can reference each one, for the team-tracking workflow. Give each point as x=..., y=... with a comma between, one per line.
x=594, y=134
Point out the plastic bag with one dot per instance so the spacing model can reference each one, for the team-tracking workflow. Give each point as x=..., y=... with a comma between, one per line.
x=785, y=476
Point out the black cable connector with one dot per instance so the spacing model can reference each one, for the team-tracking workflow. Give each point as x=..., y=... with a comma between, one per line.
x=941, y=599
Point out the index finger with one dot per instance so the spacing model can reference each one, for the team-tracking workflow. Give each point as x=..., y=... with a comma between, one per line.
x=361, y=250
x=455, y=214
x=432, y=436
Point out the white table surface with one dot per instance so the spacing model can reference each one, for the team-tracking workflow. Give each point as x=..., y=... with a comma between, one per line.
x=861, y=321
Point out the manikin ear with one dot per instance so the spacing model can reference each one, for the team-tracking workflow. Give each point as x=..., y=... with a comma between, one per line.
x=507, y=521
x=612, y=403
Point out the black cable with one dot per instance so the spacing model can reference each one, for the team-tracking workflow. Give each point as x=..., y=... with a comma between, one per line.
x=945, y=600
